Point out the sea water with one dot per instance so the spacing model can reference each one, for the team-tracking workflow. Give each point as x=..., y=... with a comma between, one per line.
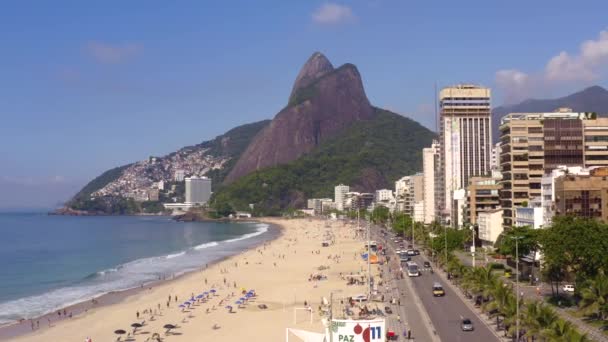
x=49, y=262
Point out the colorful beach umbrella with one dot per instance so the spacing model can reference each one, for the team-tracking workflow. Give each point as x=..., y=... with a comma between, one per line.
x=200, y=296
x=213, y=291
x=228, y=306
x=238, y=302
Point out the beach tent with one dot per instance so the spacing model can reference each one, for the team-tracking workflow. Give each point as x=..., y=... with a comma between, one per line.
x=306, y=336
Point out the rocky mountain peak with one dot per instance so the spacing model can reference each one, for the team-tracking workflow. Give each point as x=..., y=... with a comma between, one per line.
x=316, y=66
x=323, y=103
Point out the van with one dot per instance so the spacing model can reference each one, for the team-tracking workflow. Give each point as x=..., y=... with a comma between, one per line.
x=438, y=290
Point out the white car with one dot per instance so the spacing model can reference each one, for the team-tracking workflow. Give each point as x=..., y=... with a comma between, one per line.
x=568, y=288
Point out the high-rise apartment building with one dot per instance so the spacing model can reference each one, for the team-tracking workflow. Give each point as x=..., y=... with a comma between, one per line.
x=409, y=191
x=534, y=144
x=430, y=171
x=340, y=195
x=198, y=190
x=482, y=195
x=465, y=140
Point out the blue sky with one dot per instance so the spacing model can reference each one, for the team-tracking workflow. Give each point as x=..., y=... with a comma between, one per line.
x=87, y=86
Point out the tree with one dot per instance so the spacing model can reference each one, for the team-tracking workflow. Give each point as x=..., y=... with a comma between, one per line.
x=576, y=245
x=380, y=215
x=527, y=243
x=402, y=224
x=594, y=297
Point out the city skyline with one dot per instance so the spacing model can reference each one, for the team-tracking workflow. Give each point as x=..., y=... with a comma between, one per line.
x=105, y=87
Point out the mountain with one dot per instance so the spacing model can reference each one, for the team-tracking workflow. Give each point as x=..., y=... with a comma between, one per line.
x=323, y=102
x=369, y=155
x=213, y=158
x=592, y=99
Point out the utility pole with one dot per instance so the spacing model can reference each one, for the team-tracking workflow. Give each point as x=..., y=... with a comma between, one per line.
x=517, y=238
x=473, y=245
x=331, y=316
x=369, y=268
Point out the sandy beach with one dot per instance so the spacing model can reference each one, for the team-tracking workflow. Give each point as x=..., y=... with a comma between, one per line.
x=278, y=271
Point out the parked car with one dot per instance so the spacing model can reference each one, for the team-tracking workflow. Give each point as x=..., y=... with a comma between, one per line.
x=426, y=264
x=466, y=325
x=568, y=288
x=411, y=252
x=388, y=310
x=416, y=252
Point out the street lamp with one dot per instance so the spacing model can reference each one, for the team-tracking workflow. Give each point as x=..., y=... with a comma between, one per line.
x=517, y=238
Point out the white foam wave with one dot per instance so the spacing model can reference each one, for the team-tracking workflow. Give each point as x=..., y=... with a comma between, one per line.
x=171, y=256
x=261, y=228
x=206, y=245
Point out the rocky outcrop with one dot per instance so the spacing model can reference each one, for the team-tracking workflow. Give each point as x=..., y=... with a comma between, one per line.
x=324, y=101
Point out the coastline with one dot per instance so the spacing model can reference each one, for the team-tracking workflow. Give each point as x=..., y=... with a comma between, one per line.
x=292, y=276
x=23, y=327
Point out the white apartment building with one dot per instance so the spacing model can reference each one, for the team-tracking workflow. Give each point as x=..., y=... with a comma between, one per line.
x=198, y=190
x=384, y=195
x=490, y=226
x=418, y=212
x=179, y=175
x=465, y=140
x=495, y=157
x=340, y=195
x=430, y=168
x=409, y=191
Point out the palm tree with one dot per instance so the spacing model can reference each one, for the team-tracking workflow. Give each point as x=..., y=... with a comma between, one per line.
x=538, y=318
x=575, y=336
x=594, y=298
x=560, y=331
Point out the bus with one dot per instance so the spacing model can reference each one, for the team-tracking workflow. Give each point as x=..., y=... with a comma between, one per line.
x=412, y=269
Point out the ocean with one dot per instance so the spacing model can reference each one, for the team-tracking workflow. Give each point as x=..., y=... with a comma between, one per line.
x=49, y=262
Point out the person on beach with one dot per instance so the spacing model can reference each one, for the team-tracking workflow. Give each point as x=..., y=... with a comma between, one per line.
x=137, y=314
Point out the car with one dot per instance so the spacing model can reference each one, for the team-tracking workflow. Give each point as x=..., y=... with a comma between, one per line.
x=410, y=246
x=388, y=310
x=416, y=252
x=438, y=290
x=568, y=288
x=411, y=252
x=466, y=325
x=426, y=264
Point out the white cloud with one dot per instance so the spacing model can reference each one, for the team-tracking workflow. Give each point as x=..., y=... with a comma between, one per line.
x=585, y=66
x=112, y=54
x=331, y=13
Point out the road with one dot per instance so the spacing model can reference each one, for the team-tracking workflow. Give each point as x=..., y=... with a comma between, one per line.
x=444, y=312
x=447, y=312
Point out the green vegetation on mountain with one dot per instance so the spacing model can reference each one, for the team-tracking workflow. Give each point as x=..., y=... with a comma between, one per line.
x=368, y=155
x=98, y=183
x=231, y=144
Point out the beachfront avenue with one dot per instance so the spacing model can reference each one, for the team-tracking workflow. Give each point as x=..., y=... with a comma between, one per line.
x=441, y=316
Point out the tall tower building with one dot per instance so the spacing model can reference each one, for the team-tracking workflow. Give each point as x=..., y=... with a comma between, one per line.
x=430, y=167
x=465, y=140
x=340, y=195
x=198, y=190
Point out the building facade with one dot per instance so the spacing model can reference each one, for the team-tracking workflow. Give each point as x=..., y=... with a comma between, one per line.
x=430, y=168
x=340, y=195
x=489, y=224
x=482, y=195
x=583, y=195
x=533, y=144
x=198, y=190
x=410, y=191
x=465, y=140
x=532, y=215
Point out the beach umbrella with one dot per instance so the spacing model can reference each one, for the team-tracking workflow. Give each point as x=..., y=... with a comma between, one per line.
x=182, y=306
x=213, y=291
x=243, y=299
x=200, y=296
x=169, y=326
x=228, y=307
x=136, y=325
x=238, y=302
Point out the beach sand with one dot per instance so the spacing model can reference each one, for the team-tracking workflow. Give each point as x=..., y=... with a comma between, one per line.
x=282, y=287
